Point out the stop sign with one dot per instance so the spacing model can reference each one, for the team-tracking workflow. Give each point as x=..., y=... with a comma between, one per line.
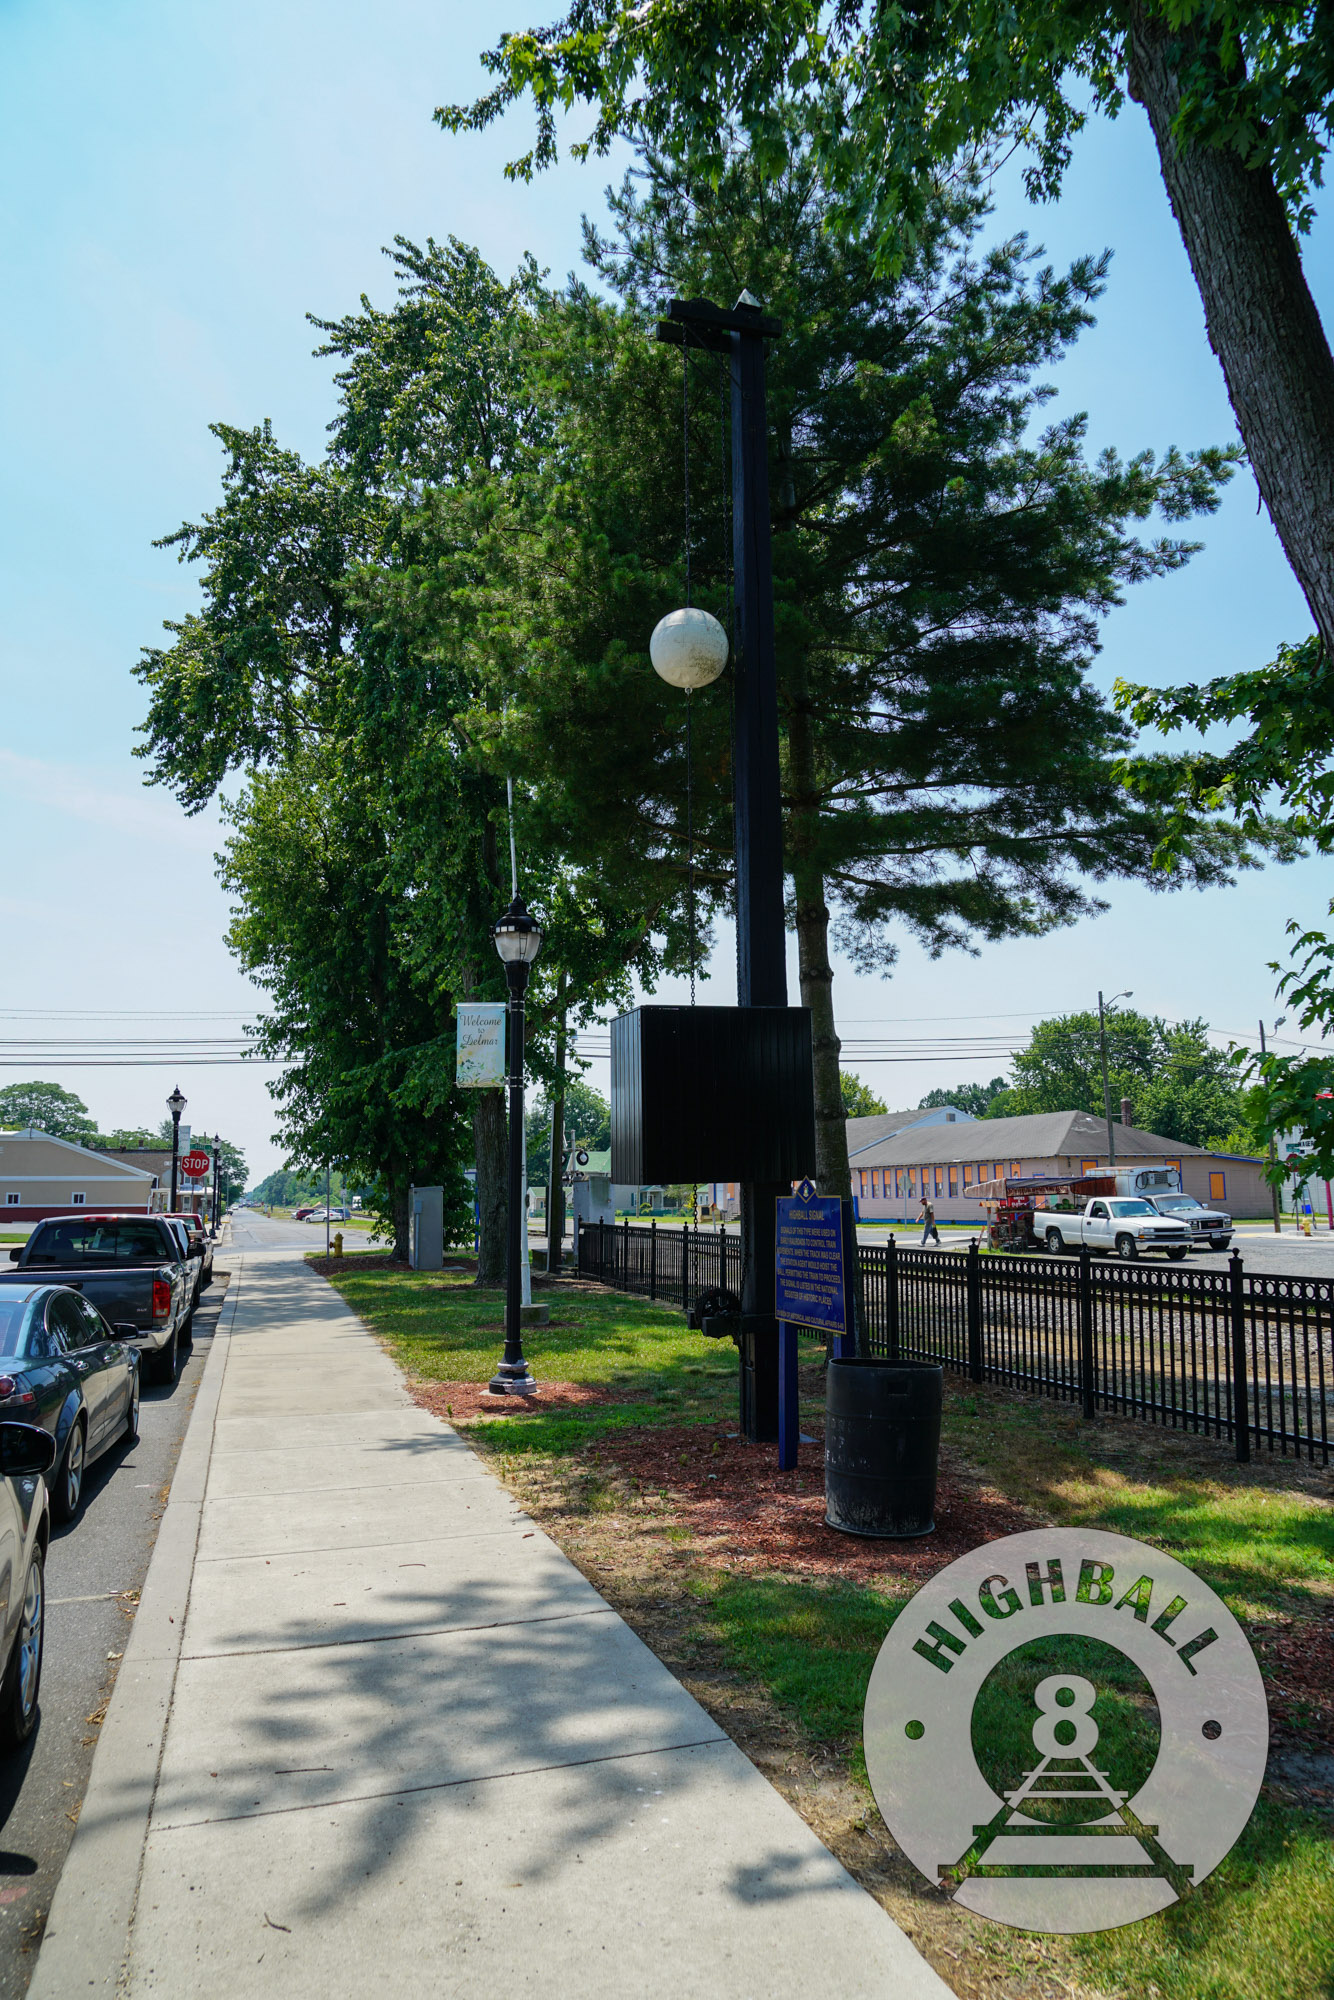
x=194, y=1165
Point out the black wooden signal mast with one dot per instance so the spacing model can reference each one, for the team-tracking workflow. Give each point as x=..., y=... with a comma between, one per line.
x=761, y=940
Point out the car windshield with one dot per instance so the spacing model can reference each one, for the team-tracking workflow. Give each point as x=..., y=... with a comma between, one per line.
x=15, y=1315
x=73, y=1241
x=1131, y=1208
x=1176, y=1201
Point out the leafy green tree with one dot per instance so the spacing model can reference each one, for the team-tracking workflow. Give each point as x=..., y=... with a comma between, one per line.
x=361, y=1028
x=859, y=1100
x=1238, y=97
x=974, y=1098
x=587, y=1120
x=304, y=640
x=1178, y=1083
x=49, y=1108
x=283, y=1188
x=230, y=1164
x=939, y=573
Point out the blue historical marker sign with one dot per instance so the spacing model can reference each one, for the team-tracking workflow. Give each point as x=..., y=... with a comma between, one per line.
x=812, y=1271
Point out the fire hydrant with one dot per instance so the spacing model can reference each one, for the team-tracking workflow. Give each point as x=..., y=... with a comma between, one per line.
x=338, y=1243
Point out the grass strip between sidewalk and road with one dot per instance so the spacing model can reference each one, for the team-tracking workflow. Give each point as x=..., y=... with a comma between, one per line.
x=632, y=1461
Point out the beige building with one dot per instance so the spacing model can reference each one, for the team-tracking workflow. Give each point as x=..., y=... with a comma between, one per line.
x=41, y=1176
x=947, y=1162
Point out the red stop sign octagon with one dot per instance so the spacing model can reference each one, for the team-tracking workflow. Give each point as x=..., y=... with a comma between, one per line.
x=194, y=1166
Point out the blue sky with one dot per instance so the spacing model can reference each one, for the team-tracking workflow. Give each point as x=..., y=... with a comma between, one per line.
x=183, y=185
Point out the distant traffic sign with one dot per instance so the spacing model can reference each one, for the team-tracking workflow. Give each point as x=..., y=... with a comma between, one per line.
x=194, y=1166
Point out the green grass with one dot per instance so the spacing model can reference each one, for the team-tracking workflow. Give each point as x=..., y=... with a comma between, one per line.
x=1263, y=1923
x=443, y=1329
x=13, y=1236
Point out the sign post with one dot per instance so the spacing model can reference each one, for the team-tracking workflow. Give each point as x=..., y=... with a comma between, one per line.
x=814, y=1250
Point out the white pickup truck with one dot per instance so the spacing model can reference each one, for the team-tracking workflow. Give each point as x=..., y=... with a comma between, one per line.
x=1125, y=1224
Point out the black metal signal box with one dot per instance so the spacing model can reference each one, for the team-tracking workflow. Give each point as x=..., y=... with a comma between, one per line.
x=712, y=1093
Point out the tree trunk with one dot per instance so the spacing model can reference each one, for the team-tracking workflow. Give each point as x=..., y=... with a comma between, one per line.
x=832, y=1172
x=491, y=1151
x=1261, y=319
x=556, y=1171
x=398, y=1208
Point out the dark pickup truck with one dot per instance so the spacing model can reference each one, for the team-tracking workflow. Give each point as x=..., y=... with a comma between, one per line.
x=130, y=1267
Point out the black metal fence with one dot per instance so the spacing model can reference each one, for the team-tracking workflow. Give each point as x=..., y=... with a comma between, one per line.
x=674, y=1264
x=1247, y=1357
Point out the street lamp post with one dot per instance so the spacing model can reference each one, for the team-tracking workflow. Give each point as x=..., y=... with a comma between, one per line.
x=1106, y=1089
x=217, y=1185
x=1273, y=1185
x=518, y=940
x=761, y=934
x=175, y=1104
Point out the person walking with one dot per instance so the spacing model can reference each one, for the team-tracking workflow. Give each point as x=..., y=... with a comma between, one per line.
x=928, y=1221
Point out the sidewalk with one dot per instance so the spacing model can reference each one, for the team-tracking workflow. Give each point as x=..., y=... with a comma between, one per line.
x=405, y=1745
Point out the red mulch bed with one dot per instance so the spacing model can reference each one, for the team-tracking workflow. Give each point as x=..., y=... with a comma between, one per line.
x=1298, y=1668
x=746, y=1514
x=459, y=1402
x=373, y=1260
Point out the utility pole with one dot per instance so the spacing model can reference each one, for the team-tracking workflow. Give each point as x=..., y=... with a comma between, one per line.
x=761, y=938
x=1106, y=1088
x=1273, y=1187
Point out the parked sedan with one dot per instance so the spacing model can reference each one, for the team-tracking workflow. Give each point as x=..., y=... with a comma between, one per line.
x=26, y=1453
x=63, y=1368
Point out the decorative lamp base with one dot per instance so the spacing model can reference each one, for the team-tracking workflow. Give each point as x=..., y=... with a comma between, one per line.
x=512, y=1378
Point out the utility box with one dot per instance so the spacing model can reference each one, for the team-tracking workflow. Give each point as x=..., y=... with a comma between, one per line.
x=712, y=1093
x=590, y=1200
x=426, y=1236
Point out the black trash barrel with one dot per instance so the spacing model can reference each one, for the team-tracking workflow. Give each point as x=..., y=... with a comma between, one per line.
x=881, y=1444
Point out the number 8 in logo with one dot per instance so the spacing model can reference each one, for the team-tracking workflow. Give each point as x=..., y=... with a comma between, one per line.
x=1065, y=1728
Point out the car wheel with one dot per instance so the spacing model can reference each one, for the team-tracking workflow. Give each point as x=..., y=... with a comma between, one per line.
x=1175, y=1256
x=23, y=1675
x=68, y=1489
x=167, y=1361
x=1055, y=1242
x=132, y=1414
x=1127, y=1247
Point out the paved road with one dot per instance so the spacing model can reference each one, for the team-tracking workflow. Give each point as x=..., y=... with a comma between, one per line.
x=94, y=1573
x=253, y=1231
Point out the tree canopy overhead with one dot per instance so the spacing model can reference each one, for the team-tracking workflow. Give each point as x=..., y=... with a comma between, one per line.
x=1238, y=95
x=940, y=570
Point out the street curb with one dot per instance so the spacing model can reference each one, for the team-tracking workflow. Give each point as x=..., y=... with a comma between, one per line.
x=88, y=1930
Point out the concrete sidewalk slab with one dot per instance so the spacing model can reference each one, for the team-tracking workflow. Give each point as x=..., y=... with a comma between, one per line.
x=344, y=1431
x=338, y=1596
x=419, y=1461
x=353, y=1722
x=675, y=1874
x=374, y=1516
x=409, y=1745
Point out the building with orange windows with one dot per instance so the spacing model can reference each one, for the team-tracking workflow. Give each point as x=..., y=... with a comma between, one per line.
x=948, y=1160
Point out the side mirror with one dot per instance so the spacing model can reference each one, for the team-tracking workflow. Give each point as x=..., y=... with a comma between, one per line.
x=126, y=1330
x=24, y=1450
x=14, y=1255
